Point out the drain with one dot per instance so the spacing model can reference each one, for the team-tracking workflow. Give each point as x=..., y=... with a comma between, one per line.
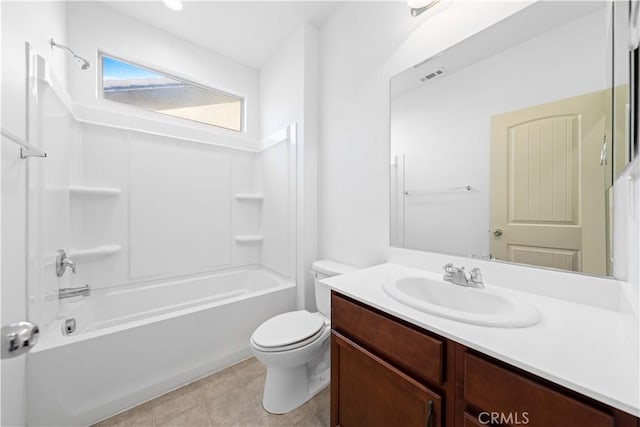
x=69, y=326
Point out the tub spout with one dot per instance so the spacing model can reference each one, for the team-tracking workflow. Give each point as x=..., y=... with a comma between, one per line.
x=84, y=291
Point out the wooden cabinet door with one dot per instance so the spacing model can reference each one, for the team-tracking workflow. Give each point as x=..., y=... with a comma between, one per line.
x=367, y=391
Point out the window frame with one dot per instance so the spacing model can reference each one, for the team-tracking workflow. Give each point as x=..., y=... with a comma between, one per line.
x=100, y=92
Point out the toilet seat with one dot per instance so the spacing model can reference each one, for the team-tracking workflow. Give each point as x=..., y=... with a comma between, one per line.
x=288, y=331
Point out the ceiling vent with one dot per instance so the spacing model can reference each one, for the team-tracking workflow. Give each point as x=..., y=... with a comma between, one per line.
x=432, y=75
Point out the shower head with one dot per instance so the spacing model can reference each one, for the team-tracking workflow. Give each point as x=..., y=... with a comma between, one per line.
x=84, y=64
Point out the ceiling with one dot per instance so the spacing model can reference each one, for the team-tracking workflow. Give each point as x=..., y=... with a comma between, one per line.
x=247, y=32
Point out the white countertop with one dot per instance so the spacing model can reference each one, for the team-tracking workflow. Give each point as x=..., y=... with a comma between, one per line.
x=588, y=349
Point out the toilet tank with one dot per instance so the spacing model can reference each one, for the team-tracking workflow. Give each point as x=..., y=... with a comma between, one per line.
x=322, y=269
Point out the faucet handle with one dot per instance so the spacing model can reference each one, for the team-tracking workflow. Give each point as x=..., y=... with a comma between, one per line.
x=448, y=268
x=67, y=263
x=475, y=275
x=62, y=263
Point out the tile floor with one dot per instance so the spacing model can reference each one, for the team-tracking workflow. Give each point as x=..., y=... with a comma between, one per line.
x=232, y=397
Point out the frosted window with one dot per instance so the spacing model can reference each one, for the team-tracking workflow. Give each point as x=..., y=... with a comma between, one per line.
x=140, y=87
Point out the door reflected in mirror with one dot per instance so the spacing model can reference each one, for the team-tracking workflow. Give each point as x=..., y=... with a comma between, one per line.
x=504, y=145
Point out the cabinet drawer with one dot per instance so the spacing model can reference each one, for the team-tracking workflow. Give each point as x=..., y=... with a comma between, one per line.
x=367, y=391
x=414, y=352
x=495, y=389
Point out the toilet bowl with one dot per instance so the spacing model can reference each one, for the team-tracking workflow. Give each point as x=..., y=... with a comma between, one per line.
x=294, y=347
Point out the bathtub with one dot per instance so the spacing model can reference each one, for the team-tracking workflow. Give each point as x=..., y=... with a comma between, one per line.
x=134, y=343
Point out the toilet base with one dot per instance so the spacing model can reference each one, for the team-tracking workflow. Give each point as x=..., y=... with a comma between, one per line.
x=287, y=388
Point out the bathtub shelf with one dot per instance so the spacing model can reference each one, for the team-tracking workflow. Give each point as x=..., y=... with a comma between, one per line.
x=249, y=238
x=249, y=197
x=94, y=253
x=81, y=191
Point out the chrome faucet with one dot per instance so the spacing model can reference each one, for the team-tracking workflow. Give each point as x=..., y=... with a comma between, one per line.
x=458, y=276
x=62, y=263
x=84, y=291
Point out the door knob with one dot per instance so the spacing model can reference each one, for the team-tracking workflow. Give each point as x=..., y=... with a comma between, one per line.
x=18, y=338
x=497, y=232
x=603, y=153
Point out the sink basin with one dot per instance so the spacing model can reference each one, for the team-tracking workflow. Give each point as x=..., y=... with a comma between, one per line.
x=476, y=306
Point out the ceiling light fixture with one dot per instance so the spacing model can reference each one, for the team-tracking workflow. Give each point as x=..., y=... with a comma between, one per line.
x=173, y=4
x=420, y=6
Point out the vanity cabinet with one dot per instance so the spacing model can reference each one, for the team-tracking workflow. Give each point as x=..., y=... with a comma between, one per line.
x=388, y=372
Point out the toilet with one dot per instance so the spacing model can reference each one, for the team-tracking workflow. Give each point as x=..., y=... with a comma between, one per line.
x=294, y=347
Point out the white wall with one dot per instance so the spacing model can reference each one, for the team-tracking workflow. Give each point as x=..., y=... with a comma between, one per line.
x=93, y=27
x=360, y=52
x=289, y=94
x=281, y=84
x=36, y=23
x=443, y=127
x=307, y=242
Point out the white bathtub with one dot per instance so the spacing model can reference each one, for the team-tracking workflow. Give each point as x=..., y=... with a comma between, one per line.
x=133, y=343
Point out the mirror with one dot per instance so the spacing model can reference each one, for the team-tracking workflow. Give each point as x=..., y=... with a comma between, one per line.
x=623, y=149
x=499, y=144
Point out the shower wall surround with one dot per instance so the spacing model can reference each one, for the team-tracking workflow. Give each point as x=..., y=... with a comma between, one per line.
x=134, y=207
x=175, y=212
x=54, y=130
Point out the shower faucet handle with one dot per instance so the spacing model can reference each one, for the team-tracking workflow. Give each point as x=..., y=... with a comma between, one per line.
x=62, y=263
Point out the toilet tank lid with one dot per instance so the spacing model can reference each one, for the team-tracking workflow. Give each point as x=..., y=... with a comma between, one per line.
x=331, y=268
